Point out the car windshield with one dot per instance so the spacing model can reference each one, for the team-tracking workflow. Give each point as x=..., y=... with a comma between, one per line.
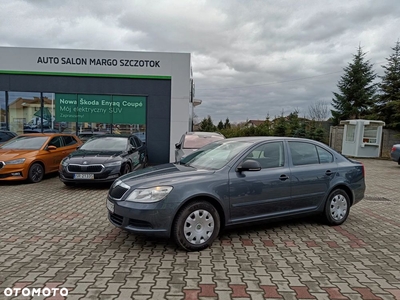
x=105, y=144
x=214, y=156
x=26, y=143
x=198, y=141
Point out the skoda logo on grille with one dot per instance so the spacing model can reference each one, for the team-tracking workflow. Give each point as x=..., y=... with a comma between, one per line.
x=85, y=162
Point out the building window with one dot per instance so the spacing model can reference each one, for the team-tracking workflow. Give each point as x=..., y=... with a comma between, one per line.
x=370, y=134
x=350, y=133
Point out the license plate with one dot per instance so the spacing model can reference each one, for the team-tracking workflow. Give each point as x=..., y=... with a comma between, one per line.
x=83, y=176
x=110, y=206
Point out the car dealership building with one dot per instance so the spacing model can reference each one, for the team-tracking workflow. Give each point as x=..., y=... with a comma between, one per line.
x=148, y=93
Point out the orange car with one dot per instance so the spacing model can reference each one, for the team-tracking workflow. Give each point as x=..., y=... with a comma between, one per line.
x=30, y=156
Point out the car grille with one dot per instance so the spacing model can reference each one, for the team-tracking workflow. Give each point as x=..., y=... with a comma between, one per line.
x=85, y=168
x=118, y=192
x=1, y=164
x=117, y=219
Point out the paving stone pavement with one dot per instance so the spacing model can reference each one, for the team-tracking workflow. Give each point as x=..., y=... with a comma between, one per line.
x=54, y=236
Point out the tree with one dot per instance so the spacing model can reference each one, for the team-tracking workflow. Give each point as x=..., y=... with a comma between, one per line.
x=220, y=125
x=357, y=91
x=207, y=125
x=227, y=124
x=318, y=111
x=388, y=106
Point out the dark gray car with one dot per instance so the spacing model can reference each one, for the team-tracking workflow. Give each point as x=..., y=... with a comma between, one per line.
x=236, y=181
x=395, y=153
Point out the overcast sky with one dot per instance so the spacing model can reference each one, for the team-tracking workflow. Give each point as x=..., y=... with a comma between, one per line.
x=250, y=58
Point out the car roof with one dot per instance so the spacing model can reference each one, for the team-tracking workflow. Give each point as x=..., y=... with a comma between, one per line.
x=48, y=134
x=100, y=136
x=204, y=133
x=256, y=139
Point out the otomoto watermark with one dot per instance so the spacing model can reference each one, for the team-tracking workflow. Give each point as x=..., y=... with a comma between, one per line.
x=29, y=292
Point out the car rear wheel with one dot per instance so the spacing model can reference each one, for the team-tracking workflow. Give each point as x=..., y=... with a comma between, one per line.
x=36, y=173
x=337, y=207
x=196, y=226
x=69, y=183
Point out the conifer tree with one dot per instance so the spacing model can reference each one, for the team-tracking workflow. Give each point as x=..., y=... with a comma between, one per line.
x=357, y=90
x=388, y=106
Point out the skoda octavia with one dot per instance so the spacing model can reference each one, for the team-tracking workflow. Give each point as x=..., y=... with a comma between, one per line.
x=236, y=181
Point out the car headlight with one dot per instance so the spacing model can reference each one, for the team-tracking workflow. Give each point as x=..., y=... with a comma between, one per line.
x=65, y=162
x=15, y=161
x=149, y=195
x=113, y=164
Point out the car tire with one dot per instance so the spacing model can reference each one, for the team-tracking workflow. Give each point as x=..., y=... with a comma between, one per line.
x=69, y=183
x=35, y=173
x=126, y=169
x=196, y=226
x=337, y=207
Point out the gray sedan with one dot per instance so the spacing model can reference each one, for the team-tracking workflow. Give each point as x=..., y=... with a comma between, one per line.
x=236, y=181
x=395, y=153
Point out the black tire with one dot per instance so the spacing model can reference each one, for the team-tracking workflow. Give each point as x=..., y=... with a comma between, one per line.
x=145, y=161
x=126, y=169
x=202, y=232
x=35, y=173
x=337, y=207
x=69, y=183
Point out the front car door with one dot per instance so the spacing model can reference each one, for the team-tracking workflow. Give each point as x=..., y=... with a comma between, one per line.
x=264, y=193
x=54, y=157
x=312, y=168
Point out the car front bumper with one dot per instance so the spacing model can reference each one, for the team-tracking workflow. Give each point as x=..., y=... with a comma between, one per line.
x=153, y=219
x=108, y=175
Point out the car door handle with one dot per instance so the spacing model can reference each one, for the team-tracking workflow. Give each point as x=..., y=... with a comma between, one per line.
x=329, y=172
x=283, y=177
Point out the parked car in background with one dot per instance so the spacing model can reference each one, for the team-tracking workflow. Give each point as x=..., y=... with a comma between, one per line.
x=30, y=156
x=6, y=135
x=191, y=141
x=395, y=153
x=86, y=135
x=236, y=181
x=103, y=158
x=39, y=130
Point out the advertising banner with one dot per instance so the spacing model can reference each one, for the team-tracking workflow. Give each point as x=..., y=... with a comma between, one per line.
x=100, y=109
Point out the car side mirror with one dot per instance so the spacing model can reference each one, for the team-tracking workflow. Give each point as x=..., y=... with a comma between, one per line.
x=249, y=165
x=131, y=149
x=51, y=147
x=178, y=146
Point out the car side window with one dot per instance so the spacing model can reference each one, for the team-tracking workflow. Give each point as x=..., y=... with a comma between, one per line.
x=132, y=142
x=325, y=157
x=69, y=140
x=303, y=153
x=56, y=141
x=269, y=155
x=137, y=141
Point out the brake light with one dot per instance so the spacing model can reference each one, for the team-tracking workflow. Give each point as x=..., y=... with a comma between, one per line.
x=393, y=149
x=363, y=169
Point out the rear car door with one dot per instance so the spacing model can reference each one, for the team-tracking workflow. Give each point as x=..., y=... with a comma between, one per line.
x=264, y=193
x=312, y=168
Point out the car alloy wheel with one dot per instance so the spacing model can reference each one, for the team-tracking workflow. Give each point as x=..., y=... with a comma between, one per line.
x=196, y=226
x=337, y=207
x=36, y=173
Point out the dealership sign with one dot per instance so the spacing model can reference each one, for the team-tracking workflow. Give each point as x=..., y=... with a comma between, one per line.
x=100, y=109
